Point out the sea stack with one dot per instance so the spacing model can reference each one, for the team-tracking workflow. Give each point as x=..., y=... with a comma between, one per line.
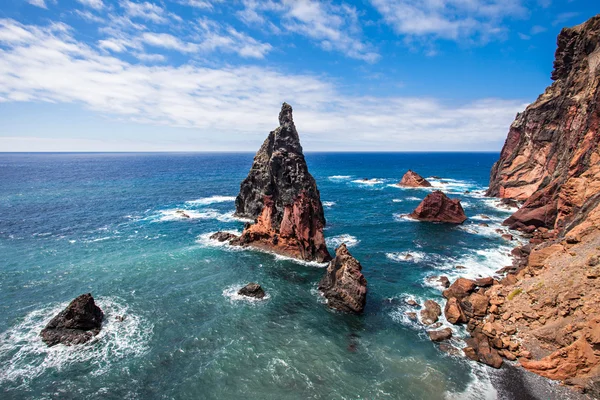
x=412, y=179
x=437, y=207
x=344, y=285
x=551, y=158
x=76, y=324
x=282, y=197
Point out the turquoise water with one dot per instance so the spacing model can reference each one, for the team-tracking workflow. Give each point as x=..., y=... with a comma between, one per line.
x=106, y=224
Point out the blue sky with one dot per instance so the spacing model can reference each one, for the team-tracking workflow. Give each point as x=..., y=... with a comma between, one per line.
x=210, y=75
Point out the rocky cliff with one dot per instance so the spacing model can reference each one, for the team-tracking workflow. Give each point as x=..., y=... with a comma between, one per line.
x=545, y=311
x=551, y=159
x=282, y=197
x=344, y=285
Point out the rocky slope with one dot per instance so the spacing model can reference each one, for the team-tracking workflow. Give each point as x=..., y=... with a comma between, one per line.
x=282, y=197
x=546, y=311
x=344, y=285
x=76, y=324
x=437, y=207
x=412, y=179
x=551, y=159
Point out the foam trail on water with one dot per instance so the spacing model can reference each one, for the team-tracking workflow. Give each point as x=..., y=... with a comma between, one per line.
x=211, y=200
x=349, y=240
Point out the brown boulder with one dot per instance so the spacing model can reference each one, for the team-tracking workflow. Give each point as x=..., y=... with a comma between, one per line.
x=344, y=285
x=440, y=335
x=412, y=179
x=431, y=312
x=482, y=351
x=437, y=207
x=484, y=282
x=460, y=289
x=223, y=236
x=453, y=312
x=475, y=305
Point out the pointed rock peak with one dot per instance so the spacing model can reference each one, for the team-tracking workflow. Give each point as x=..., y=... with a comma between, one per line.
x=437, y=207
x=285, y=115
x=412, y=179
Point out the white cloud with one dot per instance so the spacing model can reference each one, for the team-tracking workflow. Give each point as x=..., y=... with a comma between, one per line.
x=145, y=10
x=203, y=4
x=38, y=3
x=449, y=19
x=88, y=16
x=333, y=27
x=47, y=64
x=95, y=4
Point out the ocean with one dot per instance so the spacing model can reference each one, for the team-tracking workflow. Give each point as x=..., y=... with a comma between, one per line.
x=107, y=224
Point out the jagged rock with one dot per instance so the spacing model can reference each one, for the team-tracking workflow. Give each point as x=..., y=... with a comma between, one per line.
x=444, y=281
x=475, y=305
x=412, y=179
x=343, y=285
x=76, y=324
x=252, y=290
x=460, y=289
x=453, y=312
x=440, y=335
x=282, y=197
x=223, y=236
x=479, y=349
x=437, y=207
x=551, y=156
x=484, y=282
x=431, y=312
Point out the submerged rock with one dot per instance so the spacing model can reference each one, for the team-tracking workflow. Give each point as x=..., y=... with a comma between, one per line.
x=412, y=179
x=282, y=197
x=343, y=285
x=76, y=324
x=252, y=290
x=437, y=207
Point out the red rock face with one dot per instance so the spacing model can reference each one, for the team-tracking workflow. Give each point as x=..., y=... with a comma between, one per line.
x=412, y=179
x=551, y=157
x=437, y=207
x=282, y=196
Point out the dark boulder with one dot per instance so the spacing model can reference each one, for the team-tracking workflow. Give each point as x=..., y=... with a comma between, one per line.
x=252, y=290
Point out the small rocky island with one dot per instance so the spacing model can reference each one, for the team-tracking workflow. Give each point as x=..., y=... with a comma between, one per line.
x=344, y=285
x=414, y=180
x=252, y=290
x=437, y=207
x=76, y=324
x=281, y=196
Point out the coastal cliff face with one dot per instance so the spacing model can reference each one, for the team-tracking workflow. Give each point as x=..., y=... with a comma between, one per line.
x=549, y=302
x=551, y=158
x=282, y=197
x=344, y=285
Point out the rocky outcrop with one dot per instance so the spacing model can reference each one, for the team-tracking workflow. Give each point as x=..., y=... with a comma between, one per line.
x=412, y=179
x=440, y=335
x=252, y=290
x=282, y=197
x=76, y=324
x=223, y=236
x=551, y=157
x=437, y=207
x=431, y=312
x=344, y=285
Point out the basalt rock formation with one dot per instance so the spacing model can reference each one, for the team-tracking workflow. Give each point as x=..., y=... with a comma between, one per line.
x=551, y=157
x=412, y=179
x=76, y=324
x=252, y=290
x=437, y=207
x=282, y=197
x=344, y=285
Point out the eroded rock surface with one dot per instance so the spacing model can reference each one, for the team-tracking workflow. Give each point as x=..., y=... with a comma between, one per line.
x=344, y=285
x=252, y=290
x=282, y=197
x=551, y=158
x=76, y=324
x=437, y=207
x=412, y=179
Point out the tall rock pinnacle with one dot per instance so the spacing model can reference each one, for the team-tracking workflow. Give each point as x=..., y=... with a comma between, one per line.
x=282, y=197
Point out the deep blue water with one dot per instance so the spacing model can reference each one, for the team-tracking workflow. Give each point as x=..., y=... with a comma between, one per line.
x=106, y=224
